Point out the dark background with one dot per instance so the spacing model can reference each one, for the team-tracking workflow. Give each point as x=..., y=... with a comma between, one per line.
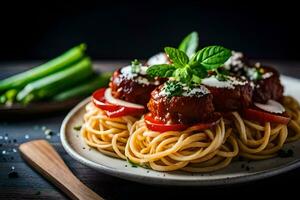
x=116, y=30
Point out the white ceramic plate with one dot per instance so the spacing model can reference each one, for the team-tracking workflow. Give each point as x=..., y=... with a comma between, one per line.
x=235, y=173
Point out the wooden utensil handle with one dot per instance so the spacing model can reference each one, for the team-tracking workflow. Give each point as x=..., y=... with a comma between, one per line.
x=43, y=157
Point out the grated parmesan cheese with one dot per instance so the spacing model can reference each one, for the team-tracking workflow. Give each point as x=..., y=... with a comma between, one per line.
x=197, y=91
x=126, y=73
x=267, y=75
x=230, y=83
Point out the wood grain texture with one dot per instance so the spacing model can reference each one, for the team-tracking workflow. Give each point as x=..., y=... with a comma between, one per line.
x=43, y=157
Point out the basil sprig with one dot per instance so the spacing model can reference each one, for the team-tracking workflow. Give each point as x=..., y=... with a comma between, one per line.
x=189, y=44
x=192, y=70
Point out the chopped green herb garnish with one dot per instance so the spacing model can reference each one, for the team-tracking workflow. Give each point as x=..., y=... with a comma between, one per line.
x=173, y=88
x=135, y=66
x=254, y=73
x=190, y=70
x=258, y=75
x=77, y=128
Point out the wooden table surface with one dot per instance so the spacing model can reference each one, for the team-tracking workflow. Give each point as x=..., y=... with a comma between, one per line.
x=30, y=185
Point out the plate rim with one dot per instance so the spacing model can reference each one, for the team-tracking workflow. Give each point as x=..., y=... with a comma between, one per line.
x=153, y=180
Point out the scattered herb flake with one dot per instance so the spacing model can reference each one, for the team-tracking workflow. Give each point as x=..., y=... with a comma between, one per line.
x=135, y=66
x=77, y=128
x=132, y=163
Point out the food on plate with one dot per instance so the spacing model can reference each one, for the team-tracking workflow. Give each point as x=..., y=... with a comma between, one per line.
x=264, y=80
x=229, y=93
x=113, y=111
x=195, y=111
x=167, y=100
x=183, y=130
x=131, y=86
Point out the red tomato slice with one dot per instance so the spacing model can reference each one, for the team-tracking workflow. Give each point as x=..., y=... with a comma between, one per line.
x=156, y=125
x=257, y=115
x=111, y=109
x=159, y=126
x=122, y=111
x=100, y=102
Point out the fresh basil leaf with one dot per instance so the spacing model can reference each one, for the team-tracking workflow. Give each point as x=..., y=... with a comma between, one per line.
x=179, y=58
x=196, y=79
x=183, y=75
x=198, y=70
x=189, y=44
x=212, y=57
x=162, y=70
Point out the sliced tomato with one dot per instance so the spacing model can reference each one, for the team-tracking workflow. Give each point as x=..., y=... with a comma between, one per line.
x=159, y=126
x=99, y=101
x=156, y=125
x=112, y=110
x=261, y=116
x=122, y=111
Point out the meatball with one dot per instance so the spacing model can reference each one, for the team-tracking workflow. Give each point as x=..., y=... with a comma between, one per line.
x=268, y=86
x=189, y=105
x=264, y=80
x=230, y=94
x=133, y=87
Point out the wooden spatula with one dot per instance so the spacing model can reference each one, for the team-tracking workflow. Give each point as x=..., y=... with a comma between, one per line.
x=43, y=157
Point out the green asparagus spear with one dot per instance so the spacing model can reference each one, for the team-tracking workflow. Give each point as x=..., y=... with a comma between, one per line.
x=57, y=82
x=59, y=63
x=2, y=99
x=11, y=95
x=85, y=88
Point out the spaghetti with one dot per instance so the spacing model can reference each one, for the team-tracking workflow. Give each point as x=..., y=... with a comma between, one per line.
x=261, y=141
x=108, y=135
x=188, y=150
x=258, y=141
x=180, y=93
x=292, y=108
x=128, y=137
